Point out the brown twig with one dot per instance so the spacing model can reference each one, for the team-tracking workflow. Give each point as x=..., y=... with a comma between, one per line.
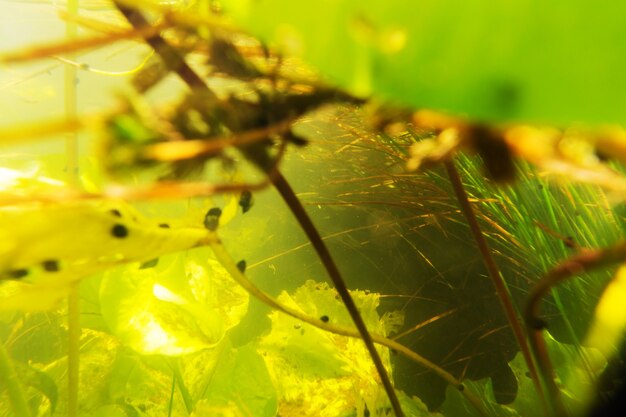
x=65, y=47
x=193, y=148
x=494, y=273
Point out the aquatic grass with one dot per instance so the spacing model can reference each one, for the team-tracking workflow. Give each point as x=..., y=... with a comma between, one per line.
x=73, y=178
x=543, y=222
x=423, y=193
x=499, y=283
x=548, y=227
x=549, y=220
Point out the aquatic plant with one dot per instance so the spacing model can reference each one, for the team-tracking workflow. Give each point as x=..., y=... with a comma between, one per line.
x=447, y=267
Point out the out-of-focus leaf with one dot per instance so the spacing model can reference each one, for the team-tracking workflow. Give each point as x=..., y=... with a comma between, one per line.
x=608, y=326
x=46, y=246
x=182, y=305
x=569, y=155
x=606, y=334
x=533, y=60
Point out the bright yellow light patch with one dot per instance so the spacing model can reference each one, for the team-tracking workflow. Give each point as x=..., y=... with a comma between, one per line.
x=154, y=338
x=164, y=294
x=610, y=317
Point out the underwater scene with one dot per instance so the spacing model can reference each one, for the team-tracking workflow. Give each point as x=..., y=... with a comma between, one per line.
x=269, y=208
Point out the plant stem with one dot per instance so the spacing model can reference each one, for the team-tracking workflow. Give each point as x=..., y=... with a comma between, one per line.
x=494, y=273
x=13, y=386
x=171, y=58
x=73, y=349
x=71, y=152
x=229, y=264
x=296, y=207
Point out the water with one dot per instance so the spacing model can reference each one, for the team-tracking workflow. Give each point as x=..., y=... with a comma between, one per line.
x=172, y=334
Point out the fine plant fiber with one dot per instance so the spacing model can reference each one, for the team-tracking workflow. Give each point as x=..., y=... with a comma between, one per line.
x=512, y=224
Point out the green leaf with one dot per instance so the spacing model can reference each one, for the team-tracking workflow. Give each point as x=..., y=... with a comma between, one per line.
x=184, y=304
x=240, y=386
x=40, y=381
x=556, y=62
x=110, y=410
x=318, y=373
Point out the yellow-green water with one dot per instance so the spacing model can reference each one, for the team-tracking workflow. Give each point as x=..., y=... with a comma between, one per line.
x=179, y=337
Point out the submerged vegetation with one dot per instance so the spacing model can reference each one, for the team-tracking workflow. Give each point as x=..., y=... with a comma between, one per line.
x=241, y=226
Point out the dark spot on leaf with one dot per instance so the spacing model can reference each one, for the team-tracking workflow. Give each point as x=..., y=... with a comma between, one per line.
x=149, y=264
x=569, y=242
x=296, y=139
x=115, y=212
x=245, y=201
x=50, y=265
x=119, y=231
x=241, y=266
x=164, y=226
x=212, y=219
x=18, y=273
x=325, y=318
x=461, y=387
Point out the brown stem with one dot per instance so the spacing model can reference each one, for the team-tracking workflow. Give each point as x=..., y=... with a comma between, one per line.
x=582, y=262
x=309, y=228
x=77, y=45
x=171, y=58
x=494, y=273
x=177, y=64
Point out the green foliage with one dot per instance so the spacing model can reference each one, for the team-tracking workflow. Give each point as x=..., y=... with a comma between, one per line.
x=317, y=373
x=542, y=222
x=240, y=385
x=555, y=62
x=154, y=311
x=157, y=320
